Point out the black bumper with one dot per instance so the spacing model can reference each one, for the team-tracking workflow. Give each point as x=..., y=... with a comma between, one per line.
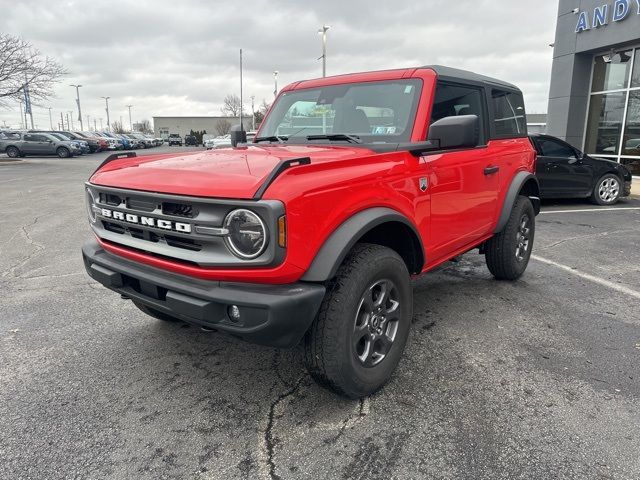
x=273, y=315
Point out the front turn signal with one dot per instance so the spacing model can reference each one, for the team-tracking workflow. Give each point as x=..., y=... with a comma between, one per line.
x=282, y=231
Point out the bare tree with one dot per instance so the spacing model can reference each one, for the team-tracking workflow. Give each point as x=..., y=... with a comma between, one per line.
x=261, y=112
x=116, y=127
x=22, y=64
x=223, y=126
x=231, y=106
x=145, y=126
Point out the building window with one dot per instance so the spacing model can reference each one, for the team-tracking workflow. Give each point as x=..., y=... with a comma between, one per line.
x=613, y=123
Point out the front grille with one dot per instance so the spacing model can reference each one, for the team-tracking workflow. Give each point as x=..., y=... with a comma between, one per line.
x=165, y=226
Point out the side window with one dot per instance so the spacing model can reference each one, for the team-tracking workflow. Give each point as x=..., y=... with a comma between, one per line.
x=453, y=100
x=551, y=148
x=30, y=138
x=509, y=115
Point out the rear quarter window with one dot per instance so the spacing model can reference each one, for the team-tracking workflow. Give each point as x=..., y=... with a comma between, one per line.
x=509, y=117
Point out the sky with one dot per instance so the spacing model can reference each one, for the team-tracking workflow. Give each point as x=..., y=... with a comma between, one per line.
x=180, y=57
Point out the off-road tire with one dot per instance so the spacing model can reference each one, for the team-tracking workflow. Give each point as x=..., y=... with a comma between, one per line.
x=501, y=251
x=155, y=313
x=330, y=354
x=607, y=194
x=63, y=152
x=12, y=152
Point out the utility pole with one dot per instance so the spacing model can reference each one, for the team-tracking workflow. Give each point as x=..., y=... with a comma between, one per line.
x=253, y=113
x=78, y=102
x=106, y=101
x=241, y=127
x=323, y=31
x=21, y=124
x=130, y=122
x=50, y=119
x=71, y=117
x=275, y=83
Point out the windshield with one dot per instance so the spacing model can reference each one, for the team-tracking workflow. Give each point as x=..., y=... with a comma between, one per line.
x=371, y=111
x=58, y=136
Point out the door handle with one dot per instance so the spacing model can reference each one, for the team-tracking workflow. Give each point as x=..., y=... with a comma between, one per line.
x=491, y=170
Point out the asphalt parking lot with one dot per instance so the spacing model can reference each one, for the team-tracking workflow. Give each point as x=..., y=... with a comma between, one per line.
x=534, y=379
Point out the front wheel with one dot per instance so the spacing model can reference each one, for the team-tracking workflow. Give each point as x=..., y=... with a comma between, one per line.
x=507, y=253
x=607, y=190
x=63, y=152
x=12, y=152
x=357, y=340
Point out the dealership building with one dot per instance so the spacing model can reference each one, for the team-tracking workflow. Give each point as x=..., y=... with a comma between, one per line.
x=594, y=99
x=163, y=126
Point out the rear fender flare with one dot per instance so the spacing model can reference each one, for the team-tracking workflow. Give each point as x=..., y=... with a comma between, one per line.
x=520, y=180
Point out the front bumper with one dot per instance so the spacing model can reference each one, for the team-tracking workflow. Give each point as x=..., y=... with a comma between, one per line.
x=273, y=315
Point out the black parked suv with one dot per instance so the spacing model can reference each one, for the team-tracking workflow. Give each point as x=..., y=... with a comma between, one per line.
x=190, y=140
x=565, y=172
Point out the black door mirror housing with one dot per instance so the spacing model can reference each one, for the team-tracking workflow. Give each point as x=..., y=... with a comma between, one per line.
x=460, y=131
x=238, y=135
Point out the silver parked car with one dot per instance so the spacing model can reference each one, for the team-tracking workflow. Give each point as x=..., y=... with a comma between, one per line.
x=20, y=144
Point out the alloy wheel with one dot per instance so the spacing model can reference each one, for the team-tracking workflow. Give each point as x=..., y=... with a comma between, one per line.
x=523, y=237
x=376, y=322
x=609, y=190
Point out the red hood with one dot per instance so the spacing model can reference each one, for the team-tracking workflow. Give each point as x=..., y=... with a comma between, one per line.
x=225, y=173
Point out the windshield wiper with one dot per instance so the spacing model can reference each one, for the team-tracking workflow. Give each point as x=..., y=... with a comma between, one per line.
x=336, y=136
x=271, y=138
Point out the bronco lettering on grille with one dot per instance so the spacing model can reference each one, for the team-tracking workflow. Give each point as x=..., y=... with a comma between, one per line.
x=146, y=221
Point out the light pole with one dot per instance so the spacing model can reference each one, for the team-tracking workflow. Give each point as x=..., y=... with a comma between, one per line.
x=275, y=82
x=50, y=119
x=21, y=124
x=323, y=31
x=100, y=123
x=88, y=123
x=106, y=101
x=78, y=102
x=253, y=113
x=71, y=117
x=68, y=128
x=130, y=122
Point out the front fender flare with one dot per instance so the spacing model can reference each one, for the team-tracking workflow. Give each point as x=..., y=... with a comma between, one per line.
x=341, y=241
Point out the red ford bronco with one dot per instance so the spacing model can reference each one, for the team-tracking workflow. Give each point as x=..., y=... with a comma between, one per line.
x=353, y=184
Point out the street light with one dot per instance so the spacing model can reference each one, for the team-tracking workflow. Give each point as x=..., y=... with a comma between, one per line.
x=130, y=122
x=275, y=80
x=323, y=31
x=106, y=101
x=50, y=119
x=77, y=87
x=71, y=117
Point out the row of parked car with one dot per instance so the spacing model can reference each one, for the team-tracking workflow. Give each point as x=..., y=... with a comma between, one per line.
x=20, y=143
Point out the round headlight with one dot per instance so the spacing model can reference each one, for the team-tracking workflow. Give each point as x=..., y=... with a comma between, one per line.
x=247, y=237
x=91, y=201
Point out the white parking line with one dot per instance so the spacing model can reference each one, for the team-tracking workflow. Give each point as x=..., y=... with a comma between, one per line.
x=591, y=278
x=590, y=210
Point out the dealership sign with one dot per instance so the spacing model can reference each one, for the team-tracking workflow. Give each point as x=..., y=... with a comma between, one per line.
x=620, y=10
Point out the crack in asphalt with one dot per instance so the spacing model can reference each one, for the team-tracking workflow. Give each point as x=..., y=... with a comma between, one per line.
x=38, y=248
x=352, y=420
x=580, y=237
x=270, y=440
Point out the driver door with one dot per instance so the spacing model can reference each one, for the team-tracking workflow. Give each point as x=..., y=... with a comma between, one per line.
x=560, y=169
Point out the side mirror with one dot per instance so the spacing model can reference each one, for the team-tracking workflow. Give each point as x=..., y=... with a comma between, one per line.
x=461, y=131
x=237, y=135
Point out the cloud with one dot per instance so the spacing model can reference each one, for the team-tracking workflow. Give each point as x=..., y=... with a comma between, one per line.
x=181, y=58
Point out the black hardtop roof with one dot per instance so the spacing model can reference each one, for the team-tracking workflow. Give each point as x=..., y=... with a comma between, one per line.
x=456, y=73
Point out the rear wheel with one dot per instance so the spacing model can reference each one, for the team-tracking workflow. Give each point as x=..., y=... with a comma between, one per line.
x=12, y=152
x=357, y=340
x=607, y=190
x=155, y=313
x=63, y=152
x=507, y=253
